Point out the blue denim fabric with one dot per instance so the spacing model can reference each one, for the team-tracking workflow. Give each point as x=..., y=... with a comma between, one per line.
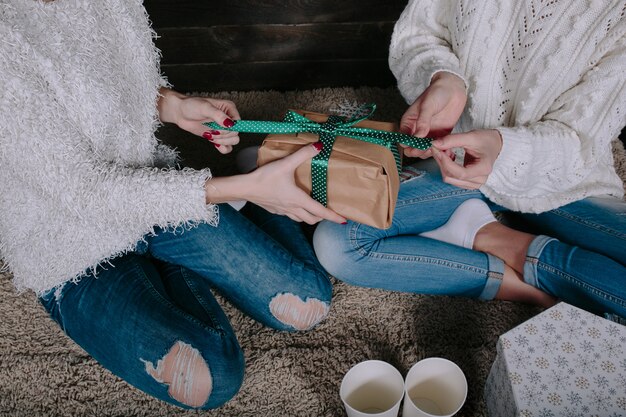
x=140, y=306
x=585, y=266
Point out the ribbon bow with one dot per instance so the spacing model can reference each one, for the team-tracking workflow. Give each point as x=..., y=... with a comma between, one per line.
x=328, y=132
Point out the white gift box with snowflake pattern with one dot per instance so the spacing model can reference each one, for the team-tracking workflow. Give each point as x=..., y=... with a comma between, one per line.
x=562, y=362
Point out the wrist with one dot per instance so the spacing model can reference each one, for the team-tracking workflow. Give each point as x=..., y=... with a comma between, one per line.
x=168, y=105
x=449, y=78
x=222, y=189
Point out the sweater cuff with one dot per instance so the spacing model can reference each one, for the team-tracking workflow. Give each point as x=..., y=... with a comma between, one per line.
x=510, y=171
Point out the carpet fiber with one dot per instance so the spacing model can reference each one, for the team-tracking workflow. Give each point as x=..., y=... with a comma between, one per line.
x=43, y=373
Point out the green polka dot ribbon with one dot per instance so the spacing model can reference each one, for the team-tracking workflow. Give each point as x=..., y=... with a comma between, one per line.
x=328, y=132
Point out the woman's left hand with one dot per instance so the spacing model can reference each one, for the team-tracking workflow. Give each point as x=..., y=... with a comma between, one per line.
x=190, y=112
x=482, y=148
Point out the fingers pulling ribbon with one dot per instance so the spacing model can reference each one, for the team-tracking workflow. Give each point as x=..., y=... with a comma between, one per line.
x=328, y=132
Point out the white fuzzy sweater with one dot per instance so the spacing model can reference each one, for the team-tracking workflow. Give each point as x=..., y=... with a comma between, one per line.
x=82, y=176
x=549, y=75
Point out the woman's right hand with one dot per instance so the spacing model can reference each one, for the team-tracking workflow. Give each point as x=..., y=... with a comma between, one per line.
x=435, y=112
x=273, y=187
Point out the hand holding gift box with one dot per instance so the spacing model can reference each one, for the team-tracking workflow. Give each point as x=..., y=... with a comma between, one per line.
x=356, y=174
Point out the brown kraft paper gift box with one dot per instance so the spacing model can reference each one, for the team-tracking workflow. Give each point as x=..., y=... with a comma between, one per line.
x=363, y=179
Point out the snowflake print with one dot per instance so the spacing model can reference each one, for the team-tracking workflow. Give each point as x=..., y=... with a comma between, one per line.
x=608, y=366
x=506, y=343
x=521, y=340
x=621, y=402
x=571, y=330
x=585, y=363
x=531, y=395
x=581, y=382
x=531, y=329
x=544, y=412
x=559, y=379
x=611, y=348
x=549, y=328
x=574, y=314
x=546, y=344
x=575, y=398
x=601, y=381
x=525, y=413
x=554, y=398
x=534, y=377
x=520, y=360
x=599, y=401
x=542, y=363
x=613, y=330
x=515, y=378
x=572, y=412
x=568, y=347
x=593, y=332
x=587, y=346
x=562, y=362
x=556, y=315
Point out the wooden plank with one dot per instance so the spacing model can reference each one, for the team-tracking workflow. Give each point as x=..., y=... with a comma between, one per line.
x=251, y=43
x=189, y=13
x=280, y=76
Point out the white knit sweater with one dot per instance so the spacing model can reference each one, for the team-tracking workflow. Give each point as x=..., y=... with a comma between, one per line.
x=82, y=176
x=549, y=75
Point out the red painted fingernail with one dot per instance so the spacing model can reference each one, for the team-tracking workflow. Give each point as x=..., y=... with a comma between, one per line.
x=344, y=222
x=215, y=132
x=207, y=135
x=318, y=145
x=217, y=145
x=228, y=123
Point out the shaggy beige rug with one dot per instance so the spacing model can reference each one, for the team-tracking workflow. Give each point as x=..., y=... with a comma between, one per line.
x=43, y=373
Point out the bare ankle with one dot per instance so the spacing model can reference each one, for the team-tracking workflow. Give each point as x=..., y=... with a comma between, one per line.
x=513, y=288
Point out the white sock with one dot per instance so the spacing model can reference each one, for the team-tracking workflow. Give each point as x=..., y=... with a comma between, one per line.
x=465, y=222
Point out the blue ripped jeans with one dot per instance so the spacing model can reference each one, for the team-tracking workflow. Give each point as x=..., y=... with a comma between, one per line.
x=151, y=318
x=586, y=266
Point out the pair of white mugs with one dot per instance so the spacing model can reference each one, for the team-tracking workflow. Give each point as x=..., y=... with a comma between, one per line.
x=433, y=387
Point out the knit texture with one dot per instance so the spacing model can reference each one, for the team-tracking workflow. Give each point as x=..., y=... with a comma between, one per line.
x=549, y=75
x=83, y=176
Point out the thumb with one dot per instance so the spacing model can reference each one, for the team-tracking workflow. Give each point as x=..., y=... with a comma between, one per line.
x=303, y=154
x=455, y=140
x=424, y=117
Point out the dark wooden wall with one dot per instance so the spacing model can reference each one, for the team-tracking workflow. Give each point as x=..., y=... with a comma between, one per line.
x=274, y=44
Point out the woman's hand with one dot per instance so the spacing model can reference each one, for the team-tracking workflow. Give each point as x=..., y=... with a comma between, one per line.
x=482, y=148
x=273, y=187
x=435, y=112
x=189, y=112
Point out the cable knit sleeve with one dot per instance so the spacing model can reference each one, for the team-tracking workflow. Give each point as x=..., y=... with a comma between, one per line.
x=421, y=46
x=542, y=164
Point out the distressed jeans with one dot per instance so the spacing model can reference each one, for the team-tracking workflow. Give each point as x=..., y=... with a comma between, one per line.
x=151, y=318
x=582, y=262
